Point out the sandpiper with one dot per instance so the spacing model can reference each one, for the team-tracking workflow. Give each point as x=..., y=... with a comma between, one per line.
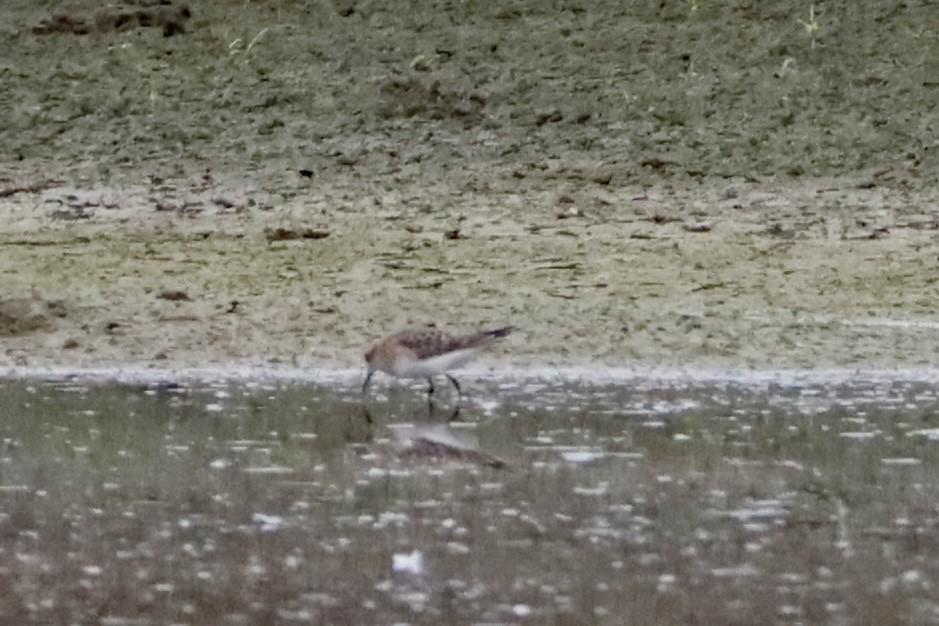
x=425, y=353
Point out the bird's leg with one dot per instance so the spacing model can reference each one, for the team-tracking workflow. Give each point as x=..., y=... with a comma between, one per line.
x=368, y=378
x=430, y=398
x=459, y=392
x=459, y=396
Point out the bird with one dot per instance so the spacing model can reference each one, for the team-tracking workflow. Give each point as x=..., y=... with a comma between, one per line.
x=427, y=352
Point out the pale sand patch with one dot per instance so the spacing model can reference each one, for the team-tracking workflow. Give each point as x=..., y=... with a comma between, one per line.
x=735, y=275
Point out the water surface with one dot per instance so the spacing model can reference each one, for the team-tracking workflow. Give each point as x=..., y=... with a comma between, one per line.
x=559, y=498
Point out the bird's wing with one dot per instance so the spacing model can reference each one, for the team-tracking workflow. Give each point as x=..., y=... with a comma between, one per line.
x=428, y=342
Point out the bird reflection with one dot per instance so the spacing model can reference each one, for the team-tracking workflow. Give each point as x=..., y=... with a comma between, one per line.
x=439, y=442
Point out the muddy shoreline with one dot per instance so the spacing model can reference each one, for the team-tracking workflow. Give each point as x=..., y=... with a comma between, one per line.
x=281, y=185
x=800, y=277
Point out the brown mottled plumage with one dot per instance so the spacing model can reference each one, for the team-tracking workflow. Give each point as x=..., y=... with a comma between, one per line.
x=426, y=352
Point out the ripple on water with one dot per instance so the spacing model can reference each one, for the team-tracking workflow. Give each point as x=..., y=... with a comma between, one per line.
x=668, y=485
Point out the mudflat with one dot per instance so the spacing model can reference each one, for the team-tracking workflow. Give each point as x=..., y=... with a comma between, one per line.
x=693, y=184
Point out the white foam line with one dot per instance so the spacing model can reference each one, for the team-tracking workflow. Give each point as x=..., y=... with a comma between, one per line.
x=871, y=322
x=143, y=374
x=596, y=375
x=756, y=377
x=890, y=323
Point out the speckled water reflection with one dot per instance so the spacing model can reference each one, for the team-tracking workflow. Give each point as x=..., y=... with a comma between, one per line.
x=650, y=500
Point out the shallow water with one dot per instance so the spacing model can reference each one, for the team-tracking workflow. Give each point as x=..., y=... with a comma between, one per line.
x=610, y=497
